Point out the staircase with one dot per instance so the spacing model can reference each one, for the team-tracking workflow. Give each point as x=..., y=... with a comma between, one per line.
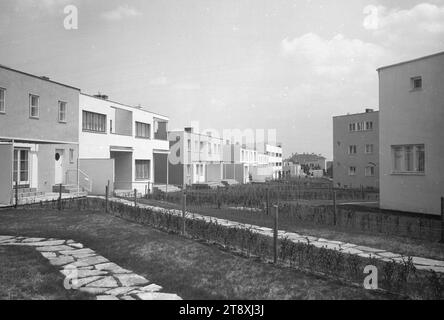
x=67, y=188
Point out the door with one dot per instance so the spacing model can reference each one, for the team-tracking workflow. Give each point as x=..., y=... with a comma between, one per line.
x=21, y=167
x=58, y=166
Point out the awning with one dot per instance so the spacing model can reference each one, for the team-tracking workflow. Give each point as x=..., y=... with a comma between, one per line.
x=120, y=149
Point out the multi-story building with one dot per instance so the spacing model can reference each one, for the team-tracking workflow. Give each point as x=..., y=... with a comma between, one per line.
x=275, y=160
x=310, y=160
x=38, y=133
x=195, y=158
x=356, y=150
x=292, y=170
x=411, y=98
x=121, y=144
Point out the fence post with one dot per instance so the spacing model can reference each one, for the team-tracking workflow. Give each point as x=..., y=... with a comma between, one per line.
x=334, y=207
x=106, y=197
x=135, y=197
x=16, y=194
x=184, y=209
x=268, y=201
x=275, y=233
x=442, y=220
x=60, y=197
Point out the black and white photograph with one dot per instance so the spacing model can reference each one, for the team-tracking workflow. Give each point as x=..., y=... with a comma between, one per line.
x=221, y=156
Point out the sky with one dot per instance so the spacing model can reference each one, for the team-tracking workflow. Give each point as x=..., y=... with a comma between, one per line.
x=232, y=64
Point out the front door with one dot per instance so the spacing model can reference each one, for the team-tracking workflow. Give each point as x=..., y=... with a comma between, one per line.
x=58, y=166
x=21, y=167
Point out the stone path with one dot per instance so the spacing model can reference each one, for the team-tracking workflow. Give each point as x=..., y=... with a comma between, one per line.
x=89, y=272
x=348, y=248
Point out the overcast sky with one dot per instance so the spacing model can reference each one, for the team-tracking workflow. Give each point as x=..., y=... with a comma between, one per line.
x=285, y=65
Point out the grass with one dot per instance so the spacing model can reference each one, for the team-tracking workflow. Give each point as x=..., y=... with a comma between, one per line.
x=397, y=244
x=26, y=275
x=191, y=269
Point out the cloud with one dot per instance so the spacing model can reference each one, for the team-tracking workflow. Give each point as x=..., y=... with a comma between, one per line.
x=120, y=13
x=418, y=30
x=335, y=57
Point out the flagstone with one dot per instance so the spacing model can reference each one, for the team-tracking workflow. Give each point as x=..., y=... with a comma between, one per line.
x=111, y=267
x=54, y=248
x=79, y=273
x=6, y=238
x=151, y=288
x=33, y=240
x=83, y=281
x=47, y=243
x=128, y=298
x=121, y=291
x=61, y=261
x=107, y=282
x=48, y=255
x=368, y=249
x=106, y=297
x=128, y=280
x=77, y=252
x=92, y=290
x=76, y=245
x=93, y=260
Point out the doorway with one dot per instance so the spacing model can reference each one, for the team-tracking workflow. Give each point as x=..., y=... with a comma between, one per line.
x=21, y=168
x=59, y=154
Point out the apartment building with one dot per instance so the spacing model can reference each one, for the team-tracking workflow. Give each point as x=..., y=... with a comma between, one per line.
x=195, y=158
x=356, y=150
x=275, y=159
x=292, y=170
x=411, y=97
x=121, y=144
x=310, y=160
x=240, y=162
x=38, y=133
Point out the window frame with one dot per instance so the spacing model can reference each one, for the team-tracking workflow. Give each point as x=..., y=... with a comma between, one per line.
x=36, y=107
x=145, y=127
x=413, y=82
x=352, y=172
x=60, y=103
x=94, y=122
x=410, y=159
x=143, y=162
x=3, y=111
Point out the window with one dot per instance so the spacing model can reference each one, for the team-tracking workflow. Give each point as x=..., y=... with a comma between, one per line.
x=352, y=127
x=416, y=83
x=370, y=171
x=369, y=125
x=408, y=159
x=369, y=148
x=2, y=100
x=33, y=106
x=62, y=111
x=189, y=145
x=352, y=149
x=360, y=126
x=352, y=171
x=94, y=122
x=71, y=155
x=143, y=169
x=143, y=130
x=110, y=126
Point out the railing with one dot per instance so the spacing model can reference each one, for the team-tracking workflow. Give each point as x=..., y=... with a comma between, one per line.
x=80, y=178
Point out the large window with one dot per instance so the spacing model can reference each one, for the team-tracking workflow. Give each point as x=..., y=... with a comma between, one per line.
x=94, y=122
x=143, y=130
x=143, y=169
x=33, y=106
x=408, y=159
x=2, y=100
x=62, y=111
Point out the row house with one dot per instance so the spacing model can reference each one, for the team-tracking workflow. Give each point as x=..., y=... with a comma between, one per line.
x=39, y=136
x=194, y=158
x=411, y=102
x=121, y=145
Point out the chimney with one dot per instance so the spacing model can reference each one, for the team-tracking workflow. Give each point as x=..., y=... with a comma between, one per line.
x=368, y=110
x=101, y=96
x=45, y=78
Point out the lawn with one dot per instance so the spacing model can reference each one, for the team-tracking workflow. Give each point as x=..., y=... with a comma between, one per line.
x=191, y=269
x=26, y=275
x=398, y=244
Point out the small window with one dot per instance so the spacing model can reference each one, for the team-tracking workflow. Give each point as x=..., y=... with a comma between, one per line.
x=189, y=145
x=370, y=171
x=369, y=125
x=143, y=169
x=71, y=155
x=33, y=106
x=368, y=148
x=110, y=126
x=143, y=130
x=62, y=111
x=352, y=171
x=2, y=100
x=352, y=127
x=352, y=149
x=416, y=83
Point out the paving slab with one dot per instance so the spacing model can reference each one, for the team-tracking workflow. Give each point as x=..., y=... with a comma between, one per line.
x=151, y=288
x=83, y=273
x=129, y=280
x=61, y=261
x=54, y=248
x=33, y=240
x=95, y=291
x=111, y=267
x=107, y=282
x=121, y=291
x=93, y=260
x=46, y=243
x=107, y=297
